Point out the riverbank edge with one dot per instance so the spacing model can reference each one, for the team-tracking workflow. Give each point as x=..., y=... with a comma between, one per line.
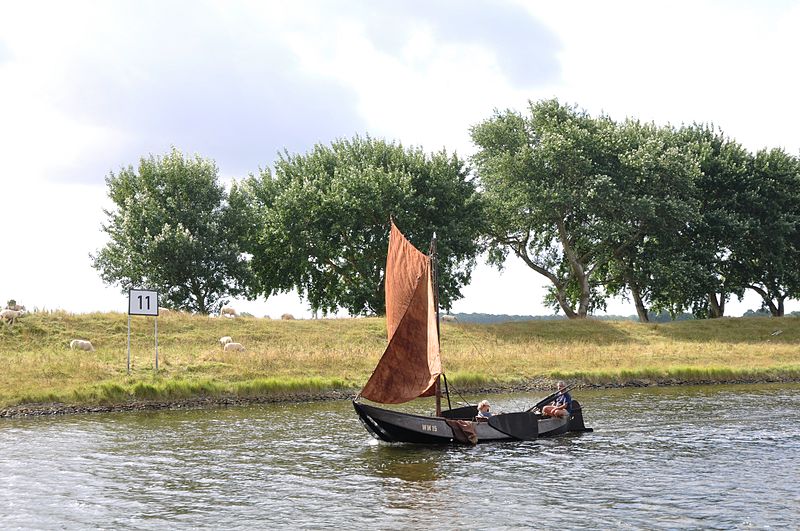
x=209, y=402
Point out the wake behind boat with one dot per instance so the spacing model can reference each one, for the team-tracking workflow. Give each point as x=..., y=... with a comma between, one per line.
x=411, y=368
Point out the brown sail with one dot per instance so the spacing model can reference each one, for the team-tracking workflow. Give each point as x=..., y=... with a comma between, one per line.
x=410, y=364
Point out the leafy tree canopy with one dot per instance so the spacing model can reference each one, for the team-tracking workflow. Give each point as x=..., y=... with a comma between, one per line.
x=320, y=223
x=173, y=230
x=539, y=173
x=661, y=178
x=767, y=252
x=706, y=253
x=572, y=195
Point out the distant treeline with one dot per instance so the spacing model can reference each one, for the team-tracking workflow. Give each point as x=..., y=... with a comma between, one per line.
x=663, y=317
x=675, y=219
x=502, y=318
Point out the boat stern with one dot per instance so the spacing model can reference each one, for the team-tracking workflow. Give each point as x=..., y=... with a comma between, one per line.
x=576, y=420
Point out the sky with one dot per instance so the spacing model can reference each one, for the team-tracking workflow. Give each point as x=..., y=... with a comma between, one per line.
x=89, y=87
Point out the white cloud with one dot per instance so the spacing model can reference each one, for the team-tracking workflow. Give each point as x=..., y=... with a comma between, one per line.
x=46, y=260
x=428, y=94
x=81, y=95
x=683, y=62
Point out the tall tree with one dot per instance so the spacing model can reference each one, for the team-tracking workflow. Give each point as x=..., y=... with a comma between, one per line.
x=172, y=229
x=722, y=192
x=768, y=250
x=322, y=220
x=558, y=196
x=662, y=175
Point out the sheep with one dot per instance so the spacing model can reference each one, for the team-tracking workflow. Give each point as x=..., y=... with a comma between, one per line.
x=16, y=307
x=287, y=317
x=238, y=347
x=224, y=340
x=227, y=310
x=81, y=344
x=162, y=310
x=10, y=316
x=448, y=318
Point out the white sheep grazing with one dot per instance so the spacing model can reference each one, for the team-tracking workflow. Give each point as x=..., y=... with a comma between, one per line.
x=224, y=340
x=447, y=318
x=81, y=344
x=227, y=310
x=237, y=347
x=287, y=317
x=10, y=316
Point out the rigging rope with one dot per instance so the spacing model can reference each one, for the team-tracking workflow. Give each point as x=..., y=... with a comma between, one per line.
x=480, y=355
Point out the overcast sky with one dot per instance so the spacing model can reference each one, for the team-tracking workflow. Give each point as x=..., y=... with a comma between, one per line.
x=88, y=87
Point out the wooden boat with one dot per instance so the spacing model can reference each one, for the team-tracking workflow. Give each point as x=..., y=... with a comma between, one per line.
x=411, y=368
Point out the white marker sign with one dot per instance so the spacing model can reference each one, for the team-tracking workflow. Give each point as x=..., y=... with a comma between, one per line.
x=142, y=302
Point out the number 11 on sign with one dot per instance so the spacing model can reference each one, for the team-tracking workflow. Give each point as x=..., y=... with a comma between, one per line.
x=142, y=302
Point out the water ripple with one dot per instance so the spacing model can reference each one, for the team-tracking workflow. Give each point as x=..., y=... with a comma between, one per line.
x=710, y=458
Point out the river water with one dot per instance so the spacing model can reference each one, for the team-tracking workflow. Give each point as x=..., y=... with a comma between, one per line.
x=722, y=457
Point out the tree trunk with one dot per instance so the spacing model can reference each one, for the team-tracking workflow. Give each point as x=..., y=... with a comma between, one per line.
x=716, y=309
x=777, y=310
x=561, y=293
x=641, y=311
x=578, y=270
x=583, y=306
x=199, y=300
x=561, y=297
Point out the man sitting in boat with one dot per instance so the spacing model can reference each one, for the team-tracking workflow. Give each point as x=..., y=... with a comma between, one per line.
x=483, y=410
x=561, y=406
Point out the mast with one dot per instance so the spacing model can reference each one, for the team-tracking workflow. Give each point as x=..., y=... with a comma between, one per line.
x=435, y=283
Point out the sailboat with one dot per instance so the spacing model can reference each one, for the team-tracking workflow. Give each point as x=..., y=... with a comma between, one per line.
x=411, y=368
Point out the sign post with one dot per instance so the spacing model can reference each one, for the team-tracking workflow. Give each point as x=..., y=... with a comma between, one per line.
x=142, y=302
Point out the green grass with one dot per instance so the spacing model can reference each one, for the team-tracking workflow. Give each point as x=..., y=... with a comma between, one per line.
x=304, y=357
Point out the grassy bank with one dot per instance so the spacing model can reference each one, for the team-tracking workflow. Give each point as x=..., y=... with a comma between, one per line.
x=314, y=357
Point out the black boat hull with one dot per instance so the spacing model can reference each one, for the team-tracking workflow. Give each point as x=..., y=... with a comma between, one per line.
x=394, y=426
